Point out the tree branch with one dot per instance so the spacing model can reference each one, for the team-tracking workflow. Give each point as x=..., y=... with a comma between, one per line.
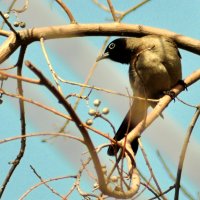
x=17, y=160
x=183, y=152
x=67, y=10
x=77, y=30
x=104, y=187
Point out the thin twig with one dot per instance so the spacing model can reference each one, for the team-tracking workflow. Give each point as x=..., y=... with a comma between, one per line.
x=23, y=98
x=153, y=188
x=67, y=10
x=77, y=183
x=50, y=65
x=112, y=10
x=41, y=179
x=183, y=189
x=22, y=78
x=9, y=25
x=42, y=183
x=108, y=121
x=149, y=166
x=9, y=9
x=165, y=192
x=183, y=152
x=34, y=81
x=55, y=112
x=39, y=134
x=91, y=72
x=8, y=68
x=187, y=104
x=23, y=9
x=146, y=186
x=103, y=7
x=133, y=8
x=18, y=158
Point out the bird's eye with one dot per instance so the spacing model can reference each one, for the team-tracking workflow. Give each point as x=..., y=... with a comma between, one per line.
x=112, y=46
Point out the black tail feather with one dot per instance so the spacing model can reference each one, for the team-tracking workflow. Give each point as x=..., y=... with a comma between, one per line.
x=133, y=117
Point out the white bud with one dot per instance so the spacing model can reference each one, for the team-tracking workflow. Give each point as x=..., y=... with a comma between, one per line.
x=113, y=179
x=92, y=112
x=97, y=102
x=96, y=185
x=22, y=24
x=89, y=122
x=117, y=188
x=103, y=166
x=16, y=24
x=104, y=170
x=105, y=111
x=6, y=15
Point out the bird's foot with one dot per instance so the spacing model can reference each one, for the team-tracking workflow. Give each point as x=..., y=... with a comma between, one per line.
x=181, y=82
x=171, y=94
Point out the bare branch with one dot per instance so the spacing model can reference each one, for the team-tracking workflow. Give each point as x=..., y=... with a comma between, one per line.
x=183, y=189
x=18, y=158
x=39, y=135
x=41, y=179
x=67, y=10
x=28, y=80
x=112, y=10
x=42, y=183
x=183, y=152
x=23, y=9
x=103, y=7
x=50, y=65
x=9, y=25
x=133, y=8
x=149, y=166
x=76, y=30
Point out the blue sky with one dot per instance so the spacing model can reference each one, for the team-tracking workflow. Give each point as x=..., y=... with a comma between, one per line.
x=72, y=59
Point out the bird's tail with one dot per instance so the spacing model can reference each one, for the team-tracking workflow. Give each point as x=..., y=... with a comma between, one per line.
x=136, y=114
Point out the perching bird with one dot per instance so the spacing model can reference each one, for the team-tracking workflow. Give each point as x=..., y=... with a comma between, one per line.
x=155, y=67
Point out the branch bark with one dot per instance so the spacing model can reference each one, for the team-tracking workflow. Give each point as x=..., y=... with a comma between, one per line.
x=77, y=30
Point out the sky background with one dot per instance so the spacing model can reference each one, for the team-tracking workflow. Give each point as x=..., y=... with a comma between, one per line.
x=72, y=59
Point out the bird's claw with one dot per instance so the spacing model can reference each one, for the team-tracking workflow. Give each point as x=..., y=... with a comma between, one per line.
x=171, y=94
x=181, y=82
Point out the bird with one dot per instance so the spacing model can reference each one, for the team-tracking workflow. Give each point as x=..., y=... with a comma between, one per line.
x=154, y=67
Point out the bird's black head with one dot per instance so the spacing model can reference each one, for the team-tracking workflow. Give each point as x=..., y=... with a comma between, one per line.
x=117, y=51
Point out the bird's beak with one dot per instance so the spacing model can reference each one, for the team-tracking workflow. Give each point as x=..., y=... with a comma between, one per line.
x=103, y=56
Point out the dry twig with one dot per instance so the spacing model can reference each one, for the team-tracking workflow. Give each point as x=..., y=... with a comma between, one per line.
x=183, y=152
x=67, y=10
x=18, y=158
